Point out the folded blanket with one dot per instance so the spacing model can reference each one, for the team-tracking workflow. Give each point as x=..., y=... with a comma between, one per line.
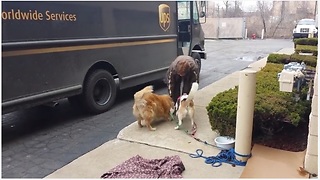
x=138, y=167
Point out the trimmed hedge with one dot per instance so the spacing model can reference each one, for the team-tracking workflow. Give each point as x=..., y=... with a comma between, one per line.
x=272, y=108
x=306, y=41
x=307, y=49
x=284, y=59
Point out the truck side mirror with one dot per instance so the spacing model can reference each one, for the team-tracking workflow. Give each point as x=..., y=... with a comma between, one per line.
x=202, y=14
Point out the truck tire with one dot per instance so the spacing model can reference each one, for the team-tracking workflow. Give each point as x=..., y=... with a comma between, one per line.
x=197, y=58
x=99, y=92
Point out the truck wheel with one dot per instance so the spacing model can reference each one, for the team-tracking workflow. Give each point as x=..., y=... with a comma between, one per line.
x=99, y=92
x=197, y=58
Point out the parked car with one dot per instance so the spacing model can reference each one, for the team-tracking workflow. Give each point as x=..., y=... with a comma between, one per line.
x=304, y=28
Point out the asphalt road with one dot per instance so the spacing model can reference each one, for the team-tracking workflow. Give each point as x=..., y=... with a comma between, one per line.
x=37, y=141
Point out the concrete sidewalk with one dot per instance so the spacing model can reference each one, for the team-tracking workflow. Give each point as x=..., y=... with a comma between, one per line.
x=165, y=141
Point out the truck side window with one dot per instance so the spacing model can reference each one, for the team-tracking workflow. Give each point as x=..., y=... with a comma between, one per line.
x=183, y=10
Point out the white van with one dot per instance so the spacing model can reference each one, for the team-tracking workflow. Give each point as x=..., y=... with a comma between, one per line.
x=304, y=27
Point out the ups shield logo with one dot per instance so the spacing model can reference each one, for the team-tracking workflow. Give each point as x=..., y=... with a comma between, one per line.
x=164, y=16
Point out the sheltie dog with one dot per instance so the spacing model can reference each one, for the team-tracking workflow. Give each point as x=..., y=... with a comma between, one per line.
x=149, y=106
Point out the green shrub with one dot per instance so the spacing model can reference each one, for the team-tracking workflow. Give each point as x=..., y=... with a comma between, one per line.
x=279, y=58
x=272, y=108
x=308, y=60
x=284, y=59
x=222, y=111
x=306, y=41
x=307, y=49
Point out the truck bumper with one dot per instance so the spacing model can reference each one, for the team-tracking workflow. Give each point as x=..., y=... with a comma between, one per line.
x=203, y=54
x=300, y=35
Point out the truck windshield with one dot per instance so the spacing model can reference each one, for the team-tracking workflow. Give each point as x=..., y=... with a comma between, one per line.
x=306, y=22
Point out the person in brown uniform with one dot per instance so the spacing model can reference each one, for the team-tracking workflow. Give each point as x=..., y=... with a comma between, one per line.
x=182, y=72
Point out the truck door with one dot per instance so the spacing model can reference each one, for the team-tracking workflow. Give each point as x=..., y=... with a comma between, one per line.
x=196, y=26
x=189, y=27
x=184, y=26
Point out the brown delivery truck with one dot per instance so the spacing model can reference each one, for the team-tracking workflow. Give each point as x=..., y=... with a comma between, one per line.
x=87, y=50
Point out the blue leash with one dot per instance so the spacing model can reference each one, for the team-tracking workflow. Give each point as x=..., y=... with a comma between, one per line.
x=225, y=156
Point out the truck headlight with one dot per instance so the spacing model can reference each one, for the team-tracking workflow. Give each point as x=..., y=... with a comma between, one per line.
x=315, y=30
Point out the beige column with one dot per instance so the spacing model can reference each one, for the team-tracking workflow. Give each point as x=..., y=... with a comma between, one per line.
x=245, y=109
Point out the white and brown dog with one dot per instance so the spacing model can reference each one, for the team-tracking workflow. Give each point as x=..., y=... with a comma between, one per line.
x=185, y=106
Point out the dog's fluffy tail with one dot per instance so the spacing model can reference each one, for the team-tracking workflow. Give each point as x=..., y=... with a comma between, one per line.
x=193, y=90
x=139, y=94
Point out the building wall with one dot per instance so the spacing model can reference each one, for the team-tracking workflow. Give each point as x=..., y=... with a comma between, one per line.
x=277, y=27
x=224, y=28
x=311, y=158
x=294, y=10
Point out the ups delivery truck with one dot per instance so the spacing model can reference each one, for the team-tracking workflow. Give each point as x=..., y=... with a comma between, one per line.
x=87, y=50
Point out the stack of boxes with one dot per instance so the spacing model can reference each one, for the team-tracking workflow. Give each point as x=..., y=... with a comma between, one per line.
x=291, y=75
